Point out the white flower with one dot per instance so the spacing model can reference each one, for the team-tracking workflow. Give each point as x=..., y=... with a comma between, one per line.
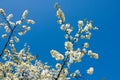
x=68, y=31
x=28, y=28
x=1, y=74
x=58, y=66
x=67, y=25
x=75, y=56
x=59, y=21
x=73, y=75
x=68, y=45
x=90, y=70
x=63, y=27
x=89, y=25
x=66, y=36
x=71, y=38
x=80, y=23
x=77, y=35
x=29, y=21
x=18, y=22
x=9, y=16
x=82, y=36
x=2, y=12
x=6, y=51
x=95, y=55
x=24, y=14
x=16, y=39
x=86, y=28
x=77, y=72
x=12, y=23
x=86, y=45
x=11, y=41
x=21, y=33
x=88, y=36
x=7, y=29
x=84, y=50
x=76, y=39
x=55, y=54
x=65, y=71
x=89, y=52
x=60, y=15
x=4, y=35
x=24, y=26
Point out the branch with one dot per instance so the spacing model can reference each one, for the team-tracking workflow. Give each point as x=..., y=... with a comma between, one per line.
x=64, y=61
x=11, y=33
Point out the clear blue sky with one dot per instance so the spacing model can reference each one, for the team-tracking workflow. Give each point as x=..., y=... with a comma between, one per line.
x=46, y=34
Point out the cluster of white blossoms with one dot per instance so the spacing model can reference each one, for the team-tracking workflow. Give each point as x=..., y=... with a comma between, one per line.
x=22, y=65
x=73, y=55
x=68, y=45
x=55, y=54
x=19, y=25
x=93, y=55
x=60, y=15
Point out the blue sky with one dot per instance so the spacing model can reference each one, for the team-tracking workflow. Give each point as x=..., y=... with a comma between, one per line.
x=46, y=34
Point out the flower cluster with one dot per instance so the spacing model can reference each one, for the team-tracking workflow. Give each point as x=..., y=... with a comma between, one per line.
x=19, y=25
x=55, y=54
x=22, y=65
x=73, y=55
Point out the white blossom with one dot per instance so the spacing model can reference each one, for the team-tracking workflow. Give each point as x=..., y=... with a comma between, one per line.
x=68, y=31
x=95, y=55
x=2, y=12
x=1, y=74
x=90, y=70
x=89, y=25
x=9, y=16
x=82, y=36
x=7, y=29
x=4, y=36
x=77, y=35
x=16, y=39
x=73, y=75
x=67, y=25
x=86, y=45
x=90, y=52
x=88, y=36
x=68, y=45
x=19, y=22
x=75, y=39
x=60, y=15
x=55, y=54
x=58, y=66
x=12, y=23
x=21, y=33
x=66, y=36
x=29, y=21
x=24, y=14
x=80, y=24
x=63, y=27
x=18, y=65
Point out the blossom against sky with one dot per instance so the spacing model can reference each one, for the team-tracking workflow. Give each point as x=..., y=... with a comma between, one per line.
x=46, y=35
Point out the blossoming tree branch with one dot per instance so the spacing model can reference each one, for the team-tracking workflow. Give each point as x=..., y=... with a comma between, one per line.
x=17, y=65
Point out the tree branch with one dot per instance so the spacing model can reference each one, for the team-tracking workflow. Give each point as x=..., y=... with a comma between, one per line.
x=64, y=62
x=11, y=33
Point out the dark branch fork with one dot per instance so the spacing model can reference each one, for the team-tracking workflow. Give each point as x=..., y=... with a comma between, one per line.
x=10, y=35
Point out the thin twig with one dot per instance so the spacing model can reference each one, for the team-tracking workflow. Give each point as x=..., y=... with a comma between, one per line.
x=64, y=62
x=11, y=33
